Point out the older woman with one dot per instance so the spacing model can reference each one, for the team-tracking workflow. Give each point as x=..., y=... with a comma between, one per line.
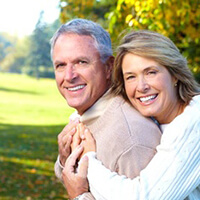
x=151, y=73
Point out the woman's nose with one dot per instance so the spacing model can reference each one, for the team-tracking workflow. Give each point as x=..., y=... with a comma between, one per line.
x=142, y=85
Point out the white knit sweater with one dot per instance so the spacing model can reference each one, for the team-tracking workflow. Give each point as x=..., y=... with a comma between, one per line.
x=173, y=173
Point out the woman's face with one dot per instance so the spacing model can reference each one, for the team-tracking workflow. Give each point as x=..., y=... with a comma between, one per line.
x=150, y=88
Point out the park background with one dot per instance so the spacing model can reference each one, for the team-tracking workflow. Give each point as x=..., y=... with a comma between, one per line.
x=32, y=112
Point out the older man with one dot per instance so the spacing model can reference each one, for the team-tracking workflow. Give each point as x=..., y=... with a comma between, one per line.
x=82, y=58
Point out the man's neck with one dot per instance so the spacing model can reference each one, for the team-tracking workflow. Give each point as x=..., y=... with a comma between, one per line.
x=97, y=109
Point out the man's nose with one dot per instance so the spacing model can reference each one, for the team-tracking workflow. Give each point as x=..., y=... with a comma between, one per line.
x=70, y=73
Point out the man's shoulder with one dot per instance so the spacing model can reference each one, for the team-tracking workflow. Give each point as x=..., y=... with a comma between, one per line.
x=122, y=122
x=121, y=109
x=127, y=122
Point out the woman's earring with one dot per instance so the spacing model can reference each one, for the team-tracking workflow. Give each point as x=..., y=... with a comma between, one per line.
x=175, y=84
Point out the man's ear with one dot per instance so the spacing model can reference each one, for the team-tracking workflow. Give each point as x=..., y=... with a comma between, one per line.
x=109, y=66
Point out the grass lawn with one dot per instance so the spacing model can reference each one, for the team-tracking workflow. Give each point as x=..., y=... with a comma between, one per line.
x=32, y=113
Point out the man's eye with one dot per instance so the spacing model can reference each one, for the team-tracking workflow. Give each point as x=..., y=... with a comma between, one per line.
x=60, y=67
x=82, y=62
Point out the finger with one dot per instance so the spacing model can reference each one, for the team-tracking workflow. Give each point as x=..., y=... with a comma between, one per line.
x=70, y=133
x=83, y=134
x=89, y=142
x=62, y=135
x=75, y=120
x=76, y=137
x=67, y=146
x=70, y=126
x=71, y=161
x=87, y=135
x=83, y=167
x=66, y=140
x=81, y=128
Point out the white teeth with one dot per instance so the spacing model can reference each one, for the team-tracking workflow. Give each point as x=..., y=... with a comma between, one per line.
x=143, y=99
x=76, y=88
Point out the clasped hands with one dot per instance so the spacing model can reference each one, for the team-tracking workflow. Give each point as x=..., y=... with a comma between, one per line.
x=74, y=141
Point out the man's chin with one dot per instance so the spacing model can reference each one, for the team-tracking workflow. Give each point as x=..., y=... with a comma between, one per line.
x=76, y=106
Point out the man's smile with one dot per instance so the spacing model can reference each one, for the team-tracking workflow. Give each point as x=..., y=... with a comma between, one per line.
x=75, y=88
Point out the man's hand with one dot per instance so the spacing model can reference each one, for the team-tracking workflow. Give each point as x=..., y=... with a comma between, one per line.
x=75, y=180
x=65, y=140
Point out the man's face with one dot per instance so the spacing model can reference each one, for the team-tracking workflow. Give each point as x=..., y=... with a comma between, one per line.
x=81, y=77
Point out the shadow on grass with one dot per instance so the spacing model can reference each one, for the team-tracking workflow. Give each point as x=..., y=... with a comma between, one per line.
x=27, y=156
x=17, y=91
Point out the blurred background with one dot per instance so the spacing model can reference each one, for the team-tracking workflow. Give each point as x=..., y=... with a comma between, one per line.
x=32, y=112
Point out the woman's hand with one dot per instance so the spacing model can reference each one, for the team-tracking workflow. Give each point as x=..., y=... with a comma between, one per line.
x=76, y=140
x=84, y=137
x=88, y=142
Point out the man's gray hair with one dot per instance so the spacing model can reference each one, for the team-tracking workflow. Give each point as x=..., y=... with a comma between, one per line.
x=89, y=28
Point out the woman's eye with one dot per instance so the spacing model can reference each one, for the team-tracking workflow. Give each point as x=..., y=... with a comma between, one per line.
x=130, y=78
x=151, y=72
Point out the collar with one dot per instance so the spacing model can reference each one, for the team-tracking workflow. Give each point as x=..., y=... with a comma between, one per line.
x=95, y=111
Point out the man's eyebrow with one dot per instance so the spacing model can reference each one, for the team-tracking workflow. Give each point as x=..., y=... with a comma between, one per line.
x=58, y=62
x=83, y=58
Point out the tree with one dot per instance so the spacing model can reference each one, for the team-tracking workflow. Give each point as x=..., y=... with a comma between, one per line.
x=40, y=47
x=39, y=58
x=15, y=57
x=88, y=9
x=30, y=54
x=4, y=45
x=13, y=52
x=177, y=19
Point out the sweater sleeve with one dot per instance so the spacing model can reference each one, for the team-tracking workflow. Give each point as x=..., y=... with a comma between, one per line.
x=173, y=173
x=58, y=172
x=58, y=169
x=136, y=158
x=87, y=196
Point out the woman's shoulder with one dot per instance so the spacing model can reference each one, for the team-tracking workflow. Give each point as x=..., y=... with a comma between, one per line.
x=187, y=123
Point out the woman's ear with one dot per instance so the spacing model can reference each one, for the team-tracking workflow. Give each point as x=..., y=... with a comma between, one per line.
x=175, y=81
x=109, y=66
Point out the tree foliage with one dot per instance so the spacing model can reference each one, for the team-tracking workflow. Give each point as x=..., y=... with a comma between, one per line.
x=5, y=44
x=13, y=52
x=15, y=57
x=88, y=9
x=40, y=47
x=30, y=54
x=177, y=19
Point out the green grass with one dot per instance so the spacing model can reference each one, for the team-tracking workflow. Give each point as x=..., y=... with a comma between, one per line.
x=32, y=113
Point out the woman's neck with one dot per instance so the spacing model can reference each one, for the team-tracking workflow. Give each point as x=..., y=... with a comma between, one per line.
x=170, y=116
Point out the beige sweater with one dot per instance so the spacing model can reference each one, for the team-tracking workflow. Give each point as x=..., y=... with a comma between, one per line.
x=126, y=141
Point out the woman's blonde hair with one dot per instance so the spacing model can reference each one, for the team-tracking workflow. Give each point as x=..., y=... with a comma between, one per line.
x=162, y=50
